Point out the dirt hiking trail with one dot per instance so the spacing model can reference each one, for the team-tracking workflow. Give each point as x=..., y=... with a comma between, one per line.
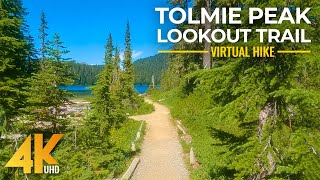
x=161, y=153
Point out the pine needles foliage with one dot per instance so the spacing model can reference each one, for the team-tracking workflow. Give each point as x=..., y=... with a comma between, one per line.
x=259, y=117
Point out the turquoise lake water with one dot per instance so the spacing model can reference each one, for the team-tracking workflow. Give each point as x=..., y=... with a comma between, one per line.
x=83, y=90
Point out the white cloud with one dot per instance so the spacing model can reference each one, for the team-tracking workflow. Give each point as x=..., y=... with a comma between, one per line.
x=135, y=54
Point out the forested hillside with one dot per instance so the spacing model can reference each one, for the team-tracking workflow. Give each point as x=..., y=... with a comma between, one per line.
x=95, y=144
x=249, y=118
x=85, y=74
x=146, y=67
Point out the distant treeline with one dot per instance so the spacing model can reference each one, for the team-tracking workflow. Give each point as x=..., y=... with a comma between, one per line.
x=31, y=102
x=146, y=67
x=86, y=74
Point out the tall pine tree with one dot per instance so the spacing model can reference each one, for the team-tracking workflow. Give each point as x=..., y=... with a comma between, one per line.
x=105, y=104
x=43, y=35
x=45, y=96
x=116, y=73
x=14, y=51
x=264, y=119
x=181, y=64
x=127, y=80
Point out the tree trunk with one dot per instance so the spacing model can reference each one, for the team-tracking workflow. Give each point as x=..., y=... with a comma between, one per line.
x=266, y=170
x=207, y=56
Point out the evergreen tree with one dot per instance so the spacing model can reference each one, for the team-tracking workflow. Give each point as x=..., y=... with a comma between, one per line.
x=128, y=93
x=265, y=119
x=13, y=54
x=181, y=64
x=116, y=72
x=109, y=51
x=207, y=45
x=15, y=51
x=45, y=96
x=264, y=115
x=32, y=64
x=43, y=35
x=105, y=100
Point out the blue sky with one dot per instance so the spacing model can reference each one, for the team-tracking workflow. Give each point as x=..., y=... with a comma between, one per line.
x=84, y=25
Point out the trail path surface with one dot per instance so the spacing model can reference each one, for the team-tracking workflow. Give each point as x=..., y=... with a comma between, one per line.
x=161, y=155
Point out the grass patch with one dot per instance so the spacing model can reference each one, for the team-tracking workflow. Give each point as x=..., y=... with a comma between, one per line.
x=123, y=137
x=192, y=112
x=143, y=108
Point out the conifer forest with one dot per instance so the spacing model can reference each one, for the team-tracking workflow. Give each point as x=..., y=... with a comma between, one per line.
x=247, y=118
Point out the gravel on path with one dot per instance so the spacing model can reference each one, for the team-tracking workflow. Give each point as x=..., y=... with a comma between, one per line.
x=161, y=154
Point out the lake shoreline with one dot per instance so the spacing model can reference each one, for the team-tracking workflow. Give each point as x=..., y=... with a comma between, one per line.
x=79, y=90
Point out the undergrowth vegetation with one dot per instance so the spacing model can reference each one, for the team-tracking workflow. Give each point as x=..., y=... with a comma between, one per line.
x=143, y=108
x=254, y=117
